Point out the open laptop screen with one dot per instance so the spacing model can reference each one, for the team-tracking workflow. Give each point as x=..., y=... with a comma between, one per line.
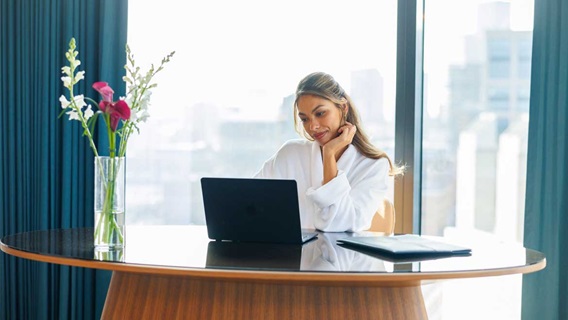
x=254, y=210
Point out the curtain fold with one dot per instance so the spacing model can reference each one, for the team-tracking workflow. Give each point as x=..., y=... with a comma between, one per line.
x=545, y=294
x=46, y=168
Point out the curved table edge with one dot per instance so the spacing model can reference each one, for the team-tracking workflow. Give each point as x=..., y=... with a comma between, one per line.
x=345, y=278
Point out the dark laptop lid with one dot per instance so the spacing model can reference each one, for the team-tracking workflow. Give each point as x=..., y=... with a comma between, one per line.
x=253, y=210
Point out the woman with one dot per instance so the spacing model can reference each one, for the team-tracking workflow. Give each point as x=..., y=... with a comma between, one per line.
x=341, y=176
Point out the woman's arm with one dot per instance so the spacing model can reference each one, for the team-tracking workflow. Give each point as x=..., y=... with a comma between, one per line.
x=349, y=205
x=344, y=205
x=332, y=151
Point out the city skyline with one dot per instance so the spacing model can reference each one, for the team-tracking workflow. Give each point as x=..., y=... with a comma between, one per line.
x=199, y=122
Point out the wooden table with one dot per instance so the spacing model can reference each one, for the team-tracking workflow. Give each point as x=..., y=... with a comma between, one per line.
x=175, y=272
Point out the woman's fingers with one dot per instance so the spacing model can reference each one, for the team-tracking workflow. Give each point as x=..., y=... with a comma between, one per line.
x=347, y=125
x=349, y=129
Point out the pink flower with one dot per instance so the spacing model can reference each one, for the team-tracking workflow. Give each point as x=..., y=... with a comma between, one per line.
x=104, y=90
x=115, y=109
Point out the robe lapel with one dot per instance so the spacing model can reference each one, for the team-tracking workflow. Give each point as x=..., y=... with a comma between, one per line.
x=316, y=166
x=344, y=164
x=347, y=158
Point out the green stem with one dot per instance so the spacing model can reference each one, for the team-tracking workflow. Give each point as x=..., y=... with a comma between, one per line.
x=127, y=130
x=106, y=222
x=111, y=137
x=83, y=122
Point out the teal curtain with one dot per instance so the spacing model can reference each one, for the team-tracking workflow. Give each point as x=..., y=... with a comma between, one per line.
x=545, y=293
x=46, y=168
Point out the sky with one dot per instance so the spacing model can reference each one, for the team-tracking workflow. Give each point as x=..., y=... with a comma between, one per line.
x=250, y=54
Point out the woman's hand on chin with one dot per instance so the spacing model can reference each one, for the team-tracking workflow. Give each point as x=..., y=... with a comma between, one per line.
x=337, y=145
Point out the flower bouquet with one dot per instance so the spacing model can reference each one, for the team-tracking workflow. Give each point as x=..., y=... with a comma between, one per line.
x=122, y=118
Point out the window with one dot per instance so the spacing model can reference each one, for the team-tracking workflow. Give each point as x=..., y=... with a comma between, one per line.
x=465, y=109
x=474, y=138
x=499, y=56
x=224, y=103
x=498, y=98
x=524, y=50
x=223, y=106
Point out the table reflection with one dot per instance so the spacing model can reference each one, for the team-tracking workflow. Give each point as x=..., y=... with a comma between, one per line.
x=325, y=255
x=320, y=254
x=115, y=255
x=189, y=247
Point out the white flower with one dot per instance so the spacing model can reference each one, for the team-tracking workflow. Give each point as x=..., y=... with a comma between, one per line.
x=137, y=98
x=144, y=106
x=73, y=115
x=79, y=101
x=88, y=113
x=64, y=102
x=66, y=81
x=146, y=96
x=128, y=101
x=143, y=116
x=79, y=76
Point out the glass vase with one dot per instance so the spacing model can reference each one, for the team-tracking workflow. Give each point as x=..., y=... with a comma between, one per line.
x=110, y=178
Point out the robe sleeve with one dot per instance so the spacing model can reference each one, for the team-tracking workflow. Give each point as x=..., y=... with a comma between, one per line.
x=343, y=205
x=273, y=168
x=267, y=170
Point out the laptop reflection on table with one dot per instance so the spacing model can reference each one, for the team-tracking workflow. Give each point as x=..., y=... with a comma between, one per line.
x=252, y=255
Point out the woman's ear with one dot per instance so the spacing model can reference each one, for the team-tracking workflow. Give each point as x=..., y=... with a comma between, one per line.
x=345, y=110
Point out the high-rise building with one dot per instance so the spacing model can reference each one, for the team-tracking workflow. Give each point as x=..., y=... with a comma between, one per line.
x=511, y=180
x=367, y=94
x=476, y=174
x=489, y=94
x=496, y=73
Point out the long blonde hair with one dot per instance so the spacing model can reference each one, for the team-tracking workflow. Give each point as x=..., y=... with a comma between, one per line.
x=323, y=85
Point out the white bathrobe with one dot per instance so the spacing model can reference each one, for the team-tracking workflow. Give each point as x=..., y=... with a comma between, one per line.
x=347, y=202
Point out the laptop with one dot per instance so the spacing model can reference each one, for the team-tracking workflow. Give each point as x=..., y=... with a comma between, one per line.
x=253, y=210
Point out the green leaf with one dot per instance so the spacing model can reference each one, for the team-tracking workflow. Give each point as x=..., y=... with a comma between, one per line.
x=61, y=113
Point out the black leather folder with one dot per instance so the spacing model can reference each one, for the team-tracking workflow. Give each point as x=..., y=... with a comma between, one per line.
x=404, y=246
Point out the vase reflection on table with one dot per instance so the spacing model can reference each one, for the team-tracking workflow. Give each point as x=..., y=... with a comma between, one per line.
x=110, y=180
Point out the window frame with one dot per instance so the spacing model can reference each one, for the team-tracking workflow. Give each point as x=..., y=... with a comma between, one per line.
x=408, y=115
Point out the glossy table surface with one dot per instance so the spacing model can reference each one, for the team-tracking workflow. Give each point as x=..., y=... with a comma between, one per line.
x=176, y=272
x=186, y=249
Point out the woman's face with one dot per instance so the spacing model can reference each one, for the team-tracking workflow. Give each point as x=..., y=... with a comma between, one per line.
x=321, y=118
